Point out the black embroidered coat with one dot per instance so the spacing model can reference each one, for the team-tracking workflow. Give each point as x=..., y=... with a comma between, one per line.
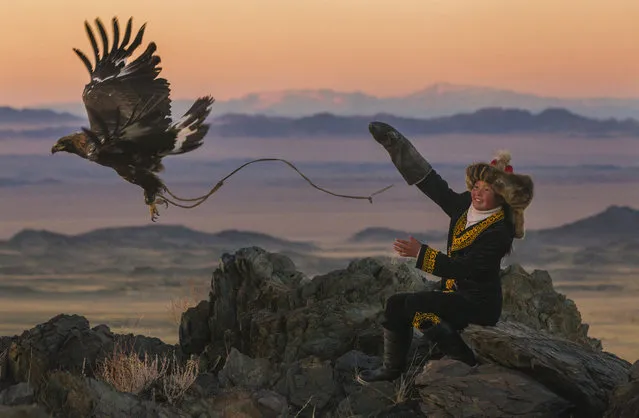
x=472, y=262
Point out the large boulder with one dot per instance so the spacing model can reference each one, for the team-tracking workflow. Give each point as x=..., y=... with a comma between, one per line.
x=451, y=388
x=577, y=372
x=264, y=307
x=624, y=402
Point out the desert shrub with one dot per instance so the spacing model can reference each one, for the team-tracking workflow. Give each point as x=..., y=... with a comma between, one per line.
x=164, y=375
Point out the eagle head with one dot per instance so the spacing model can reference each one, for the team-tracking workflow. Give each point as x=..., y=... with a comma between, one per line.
x=74, y=143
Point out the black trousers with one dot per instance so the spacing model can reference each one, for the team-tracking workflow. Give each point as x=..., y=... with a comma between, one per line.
x=423, y=310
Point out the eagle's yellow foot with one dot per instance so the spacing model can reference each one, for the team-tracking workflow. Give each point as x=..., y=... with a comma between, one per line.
x=154, y=210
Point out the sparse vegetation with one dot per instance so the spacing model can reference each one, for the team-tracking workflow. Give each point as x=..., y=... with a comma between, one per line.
x=127, y=371
x=177, y=306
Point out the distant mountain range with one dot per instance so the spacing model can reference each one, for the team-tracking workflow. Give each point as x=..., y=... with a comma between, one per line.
x=439, y=99
x=147, y=237
x=494, y=121
x=46, y=117
x=614, y=224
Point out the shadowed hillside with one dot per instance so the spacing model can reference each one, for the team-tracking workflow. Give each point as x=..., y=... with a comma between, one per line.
x=148, y=237
x=484, y=121
x=615, y=223
x=488, y=120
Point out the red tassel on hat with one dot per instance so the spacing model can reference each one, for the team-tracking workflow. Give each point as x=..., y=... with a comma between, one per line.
x=507, y=169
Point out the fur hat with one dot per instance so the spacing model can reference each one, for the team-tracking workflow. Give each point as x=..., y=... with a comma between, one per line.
x=516, y=189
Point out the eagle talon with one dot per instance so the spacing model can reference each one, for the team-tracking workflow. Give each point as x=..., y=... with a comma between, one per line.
x=154, y=212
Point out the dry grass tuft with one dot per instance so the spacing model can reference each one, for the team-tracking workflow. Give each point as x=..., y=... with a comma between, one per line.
x=407, y=379
x=127, y=372
x=177, y=306
x=179, y=379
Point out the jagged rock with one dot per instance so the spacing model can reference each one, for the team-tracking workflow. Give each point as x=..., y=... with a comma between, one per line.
x=578, y=373
x=624, y=402
x=347, y=366
x=308, y=384
x=74, y=396
x=408, y=409
x=205, y=385
x=239, y=402
x=262, y=306
x=23, y=411
x=242, y=370
x=531, y=300
x=64, y=342
x=366, y=400
x=20, y=394
x=5, y=343
x=194, y=332
x=451, y=388
x=272, y=404
x=236, y=402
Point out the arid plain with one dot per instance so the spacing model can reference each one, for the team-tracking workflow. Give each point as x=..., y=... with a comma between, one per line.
x=139, y=279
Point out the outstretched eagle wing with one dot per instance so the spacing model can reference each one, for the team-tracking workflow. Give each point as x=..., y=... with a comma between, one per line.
x=124, y=100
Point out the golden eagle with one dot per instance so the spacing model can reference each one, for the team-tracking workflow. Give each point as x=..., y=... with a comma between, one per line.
x=129, y=110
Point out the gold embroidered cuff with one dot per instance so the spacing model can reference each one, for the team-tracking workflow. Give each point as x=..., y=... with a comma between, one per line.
x=430, y=256
x=421, y=317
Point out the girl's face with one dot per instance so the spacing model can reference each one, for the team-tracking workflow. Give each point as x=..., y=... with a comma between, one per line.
x=483, y=196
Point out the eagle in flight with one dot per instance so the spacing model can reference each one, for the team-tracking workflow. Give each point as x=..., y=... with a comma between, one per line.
x=129, y=114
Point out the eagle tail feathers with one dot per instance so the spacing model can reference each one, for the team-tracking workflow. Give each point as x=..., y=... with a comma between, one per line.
x=190, y=130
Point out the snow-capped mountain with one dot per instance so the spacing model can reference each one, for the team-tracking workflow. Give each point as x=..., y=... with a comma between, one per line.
x=441, y=99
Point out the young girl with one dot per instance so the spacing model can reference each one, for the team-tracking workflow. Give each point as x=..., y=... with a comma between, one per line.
x=483, y=223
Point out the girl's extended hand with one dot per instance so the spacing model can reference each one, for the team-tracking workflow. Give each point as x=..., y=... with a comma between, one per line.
x=408, y=248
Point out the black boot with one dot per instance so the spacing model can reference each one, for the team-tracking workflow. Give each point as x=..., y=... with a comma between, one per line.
x=451, y=343
x=409, y=162
x=396, y=345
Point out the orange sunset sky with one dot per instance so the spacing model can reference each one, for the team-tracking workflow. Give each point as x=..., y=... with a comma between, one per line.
x=229, y=48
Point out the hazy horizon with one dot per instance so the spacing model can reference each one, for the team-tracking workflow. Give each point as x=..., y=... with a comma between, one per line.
x=284, y=45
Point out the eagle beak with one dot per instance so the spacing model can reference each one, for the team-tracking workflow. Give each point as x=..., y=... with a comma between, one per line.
x=56, y=148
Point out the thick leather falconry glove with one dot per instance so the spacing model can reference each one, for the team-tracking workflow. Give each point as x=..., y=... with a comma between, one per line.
x=409, y=162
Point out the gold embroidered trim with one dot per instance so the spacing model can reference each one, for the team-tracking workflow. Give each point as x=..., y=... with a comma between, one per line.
x=430, y=255
x=459, y=228
x=451, y=285
x=467, y=238
x=421, y=317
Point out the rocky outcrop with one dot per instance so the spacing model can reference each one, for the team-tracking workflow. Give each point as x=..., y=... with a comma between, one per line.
x=576, y=372
x=272, y=342
x=624, y=402
x=530, y=299
x=66, y=342
x=451, y=388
